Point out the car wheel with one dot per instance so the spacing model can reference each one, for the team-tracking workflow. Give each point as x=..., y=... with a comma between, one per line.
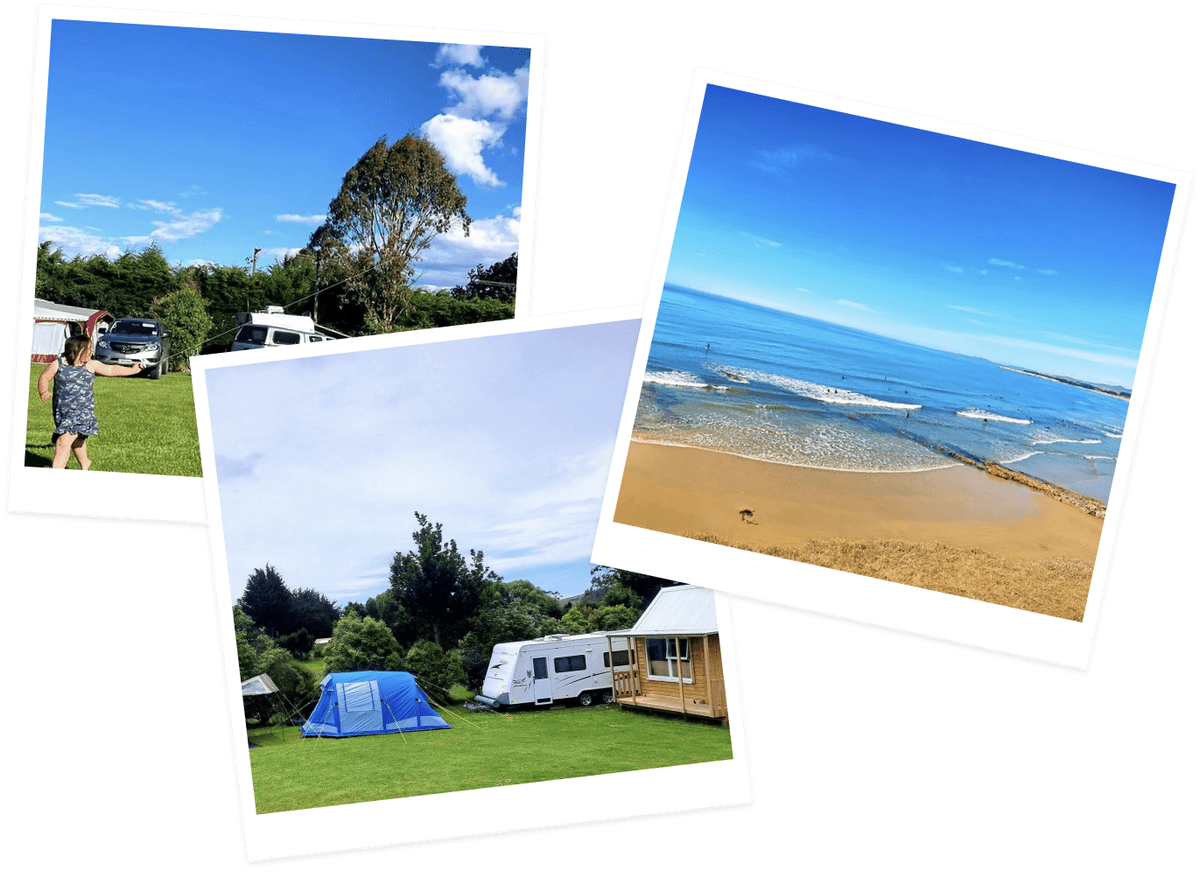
x=607, y=696
x=154, y=373
x=585, y=698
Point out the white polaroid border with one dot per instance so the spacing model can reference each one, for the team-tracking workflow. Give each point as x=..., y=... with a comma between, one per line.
x=473, y=812
x=842, y=594
x=181, y=498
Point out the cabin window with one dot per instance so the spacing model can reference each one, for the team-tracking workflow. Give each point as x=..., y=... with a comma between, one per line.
x=619, y=658
x=285, y=337
x=665, y=663
x=574, y=663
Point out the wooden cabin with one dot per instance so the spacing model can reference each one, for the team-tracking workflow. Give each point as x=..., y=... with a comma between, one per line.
x=676, y=649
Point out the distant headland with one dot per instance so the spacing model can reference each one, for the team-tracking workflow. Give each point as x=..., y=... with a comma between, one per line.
x=1118, y=392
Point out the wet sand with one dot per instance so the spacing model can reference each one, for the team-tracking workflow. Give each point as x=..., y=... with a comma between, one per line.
x=959, y=529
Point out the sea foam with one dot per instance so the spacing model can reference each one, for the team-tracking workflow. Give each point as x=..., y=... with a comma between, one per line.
x=677, y=379
x=991, y=416
x=812, y=390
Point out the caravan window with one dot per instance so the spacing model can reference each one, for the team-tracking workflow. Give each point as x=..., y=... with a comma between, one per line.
x=255, y=333
x=574, y=663
x=286, y=337
x=665, y=662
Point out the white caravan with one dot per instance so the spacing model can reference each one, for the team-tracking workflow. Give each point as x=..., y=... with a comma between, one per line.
x=553, y=669
x=274, y=327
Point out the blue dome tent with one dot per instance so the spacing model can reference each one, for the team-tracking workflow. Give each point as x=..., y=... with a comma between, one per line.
x=370, y=703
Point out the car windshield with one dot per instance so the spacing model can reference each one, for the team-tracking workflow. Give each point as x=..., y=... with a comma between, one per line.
x=131, y=327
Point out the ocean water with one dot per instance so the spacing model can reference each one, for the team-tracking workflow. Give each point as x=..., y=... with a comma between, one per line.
x=755, y=382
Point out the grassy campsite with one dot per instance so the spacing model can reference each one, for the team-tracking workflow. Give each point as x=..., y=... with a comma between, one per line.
x=379, y=710
x=145, y=426
x=482, y=749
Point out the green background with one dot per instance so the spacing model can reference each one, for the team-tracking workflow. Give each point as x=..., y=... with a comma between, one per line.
x=868, y=750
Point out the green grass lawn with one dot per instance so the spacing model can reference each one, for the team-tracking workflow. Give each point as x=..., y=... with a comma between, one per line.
x=483, y=749
x=145, y=426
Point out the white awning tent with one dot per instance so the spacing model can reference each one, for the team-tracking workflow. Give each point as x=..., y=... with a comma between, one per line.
x=53, y=323
x=259, y=685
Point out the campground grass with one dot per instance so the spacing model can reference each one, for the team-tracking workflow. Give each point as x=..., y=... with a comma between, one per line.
x=483, y=749
x=146, y=426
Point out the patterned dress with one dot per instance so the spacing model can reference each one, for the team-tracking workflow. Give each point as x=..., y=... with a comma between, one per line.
x=74, y=402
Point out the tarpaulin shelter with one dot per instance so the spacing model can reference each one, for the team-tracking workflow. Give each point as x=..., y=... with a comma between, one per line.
x=370, y=703
x=53, y=323
x=259, y=685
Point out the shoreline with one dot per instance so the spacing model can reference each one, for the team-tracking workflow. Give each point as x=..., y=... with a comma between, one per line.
x=961, y=529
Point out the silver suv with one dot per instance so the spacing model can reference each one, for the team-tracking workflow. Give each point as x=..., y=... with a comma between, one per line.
x=136, y=340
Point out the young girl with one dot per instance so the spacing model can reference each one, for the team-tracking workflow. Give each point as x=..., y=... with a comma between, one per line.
x=74, y=402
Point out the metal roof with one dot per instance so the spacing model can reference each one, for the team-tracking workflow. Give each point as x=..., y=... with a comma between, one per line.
x=683, y=610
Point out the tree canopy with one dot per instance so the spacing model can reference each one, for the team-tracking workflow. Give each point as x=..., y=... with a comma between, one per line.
x=184, y=315
x=281, y=611
x=392, y=203
x=361, y=643
x=258, y=654
x=495, y=282
x=437, y=585
x=267, y=600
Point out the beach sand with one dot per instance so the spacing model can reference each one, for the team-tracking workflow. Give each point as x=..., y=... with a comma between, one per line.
x=956, y=530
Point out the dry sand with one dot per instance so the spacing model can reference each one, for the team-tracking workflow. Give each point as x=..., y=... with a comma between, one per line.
x=958, y=530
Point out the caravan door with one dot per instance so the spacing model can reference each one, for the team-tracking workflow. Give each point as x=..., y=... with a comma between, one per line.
x=543, y=693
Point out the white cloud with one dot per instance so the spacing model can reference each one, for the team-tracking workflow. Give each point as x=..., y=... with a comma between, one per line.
x=452, y=254
x=1048, y=272
x=72, y=240
x=777, y=161
x=760, y=241
x=98, y=200
x=860, y=306
x=995, y=261
x=312, y=220
x=975, y=311
x=156, y=205
x=458, y=55
x=462, y=141
x=499, y=94
x=952, y=268
x=46, y=216
x=277, y=253
x=185, y=227
x=1126, y=359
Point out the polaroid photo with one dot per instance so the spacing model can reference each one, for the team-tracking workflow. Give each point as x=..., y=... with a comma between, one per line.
x=216, y=202
x=892, y=368
x=412, y=517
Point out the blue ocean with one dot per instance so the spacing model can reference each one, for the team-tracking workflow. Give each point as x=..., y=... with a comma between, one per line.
x=734, y=377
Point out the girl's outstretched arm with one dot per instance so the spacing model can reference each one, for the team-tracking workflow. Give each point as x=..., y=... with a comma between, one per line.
x=110, y=370
x=44, y=379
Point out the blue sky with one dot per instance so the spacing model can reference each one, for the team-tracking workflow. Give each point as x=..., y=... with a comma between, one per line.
x=949, y=243
x=212, y=143
x=506, y=441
